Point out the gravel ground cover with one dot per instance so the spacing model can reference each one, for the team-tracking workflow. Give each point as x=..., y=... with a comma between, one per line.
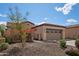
x=38, y=48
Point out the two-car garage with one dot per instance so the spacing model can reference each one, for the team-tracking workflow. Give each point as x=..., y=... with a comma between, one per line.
x=53, y=34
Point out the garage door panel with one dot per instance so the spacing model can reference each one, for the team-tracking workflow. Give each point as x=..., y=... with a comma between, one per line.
x=53, y=34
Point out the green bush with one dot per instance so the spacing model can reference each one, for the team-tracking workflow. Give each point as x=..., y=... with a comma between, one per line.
x=3, y=46
x=62, y=43
x=8, y=40
x=77, y=43
x=72, y=52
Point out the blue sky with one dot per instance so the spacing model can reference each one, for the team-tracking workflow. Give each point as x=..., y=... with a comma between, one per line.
x=55, y=13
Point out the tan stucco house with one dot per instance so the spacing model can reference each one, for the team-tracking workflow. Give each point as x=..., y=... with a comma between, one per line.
x=49, y=32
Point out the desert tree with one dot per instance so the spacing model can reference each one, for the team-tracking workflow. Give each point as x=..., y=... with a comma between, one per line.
x=16, y=17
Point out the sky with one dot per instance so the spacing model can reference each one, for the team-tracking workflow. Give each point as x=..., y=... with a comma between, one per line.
x=54, y=13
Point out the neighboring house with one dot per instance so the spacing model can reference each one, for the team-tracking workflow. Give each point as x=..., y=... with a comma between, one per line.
x=72, y=32
x=14, y=36
x=49, y=32
x=26, y=25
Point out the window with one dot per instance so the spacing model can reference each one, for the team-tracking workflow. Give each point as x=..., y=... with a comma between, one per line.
x=53, y=30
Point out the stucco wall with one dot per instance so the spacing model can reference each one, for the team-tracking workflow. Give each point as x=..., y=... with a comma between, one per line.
x=38, y=33
x=72, y=32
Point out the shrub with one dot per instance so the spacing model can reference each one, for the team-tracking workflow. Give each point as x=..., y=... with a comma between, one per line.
x=2, y=40
x=12, y=36
x=29, y=38
x=77, y=43
x=72, y=52
x=8, y=40
x=3, y=46
x=62, y=43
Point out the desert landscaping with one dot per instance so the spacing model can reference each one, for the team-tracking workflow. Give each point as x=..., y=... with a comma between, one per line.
x=21, y=37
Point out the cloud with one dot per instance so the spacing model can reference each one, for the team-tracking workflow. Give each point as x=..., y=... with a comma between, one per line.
x=2, y=22
x=41, y=23
x=3, y=15
x=66, y=8
x=71, y=21
x=44, y=21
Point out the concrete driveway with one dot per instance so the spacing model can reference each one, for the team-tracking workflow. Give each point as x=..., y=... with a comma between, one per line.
x=70, y=42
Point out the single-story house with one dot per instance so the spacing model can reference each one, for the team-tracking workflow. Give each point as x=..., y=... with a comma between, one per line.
x=49, y=32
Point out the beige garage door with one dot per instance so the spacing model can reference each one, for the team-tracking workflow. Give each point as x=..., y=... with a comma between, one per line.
x=53, y=34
